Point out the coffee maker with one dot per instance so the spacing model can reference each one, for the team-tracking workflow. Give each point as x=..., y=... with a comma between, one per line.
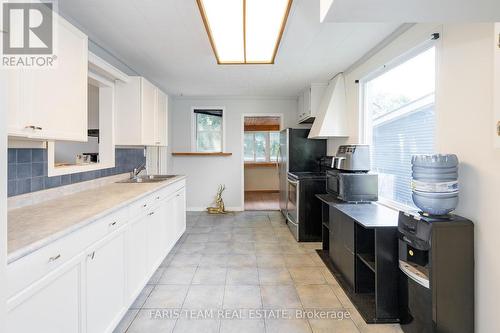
x=436, y=261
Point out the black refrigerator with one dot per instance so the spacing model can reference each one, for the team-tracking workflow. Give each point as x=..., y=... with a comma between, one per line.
x=297, y=153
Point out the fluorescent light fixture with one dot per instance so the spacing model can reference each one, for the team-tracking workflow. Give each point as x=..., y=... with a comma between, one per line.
x=244, y=31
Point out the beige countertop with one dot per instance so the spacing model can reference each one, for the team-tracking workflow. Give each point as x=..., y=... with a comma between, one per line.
x=32, y=227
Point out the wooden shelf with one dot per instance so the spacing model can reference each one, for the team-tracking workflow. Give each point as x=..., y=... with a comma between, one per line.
x=201, y=154
x=368, y=260
x=260, y=165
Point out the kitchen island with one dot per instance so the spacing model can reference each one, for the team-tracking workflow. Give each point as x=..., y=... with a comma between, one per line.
x=360, y=247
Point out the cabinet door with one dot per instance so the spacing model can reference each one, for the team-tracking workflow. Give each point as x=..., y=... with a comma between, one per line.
x=300, y=106
x=56, y=98
x=157, y=235
x=307, y=102
x=54, y=308
x=105, y=284
x=17, y=117
x=149, y=111
x=137, y=256
x=162, y=119
x=180, y=213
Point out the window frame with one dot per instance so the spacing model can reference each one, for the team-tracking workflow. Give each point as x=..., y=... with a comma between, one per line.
x=365, y=120
x=194, y=128
x=268, y=146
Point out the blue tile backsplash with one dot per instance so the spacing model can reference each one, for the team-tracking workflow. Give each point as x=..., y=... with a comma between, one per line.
x=27, y=169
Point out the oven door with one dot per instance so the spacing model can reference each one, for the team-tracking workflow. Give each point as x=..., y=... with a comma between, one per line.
x=292, y=207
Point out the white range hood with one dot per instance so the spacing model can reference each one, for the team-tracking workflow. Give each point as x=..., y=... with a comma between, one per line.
x=331, y=120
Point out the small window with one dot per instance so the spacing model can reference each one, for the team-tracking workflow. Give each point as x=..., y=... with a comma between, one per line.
x=399, y=121
x=208, y=130
x=261, y=147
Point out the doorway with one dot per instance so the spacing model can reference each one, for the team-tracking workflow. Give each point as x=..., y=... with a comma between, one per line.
x=260, y=153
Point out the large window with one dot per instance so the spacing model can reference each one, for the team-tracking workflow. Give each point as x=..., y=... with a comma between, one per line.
x=261, y=147
x=399, y=121
x=208, y=130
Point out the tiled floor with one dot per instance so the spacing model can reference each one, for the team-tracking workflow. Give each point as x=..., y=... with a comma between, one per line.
x=241, y=273
x=255, y=200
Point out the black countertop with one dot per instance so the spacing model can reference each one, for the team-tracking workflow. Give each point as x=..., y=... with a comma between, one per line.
x=369, y=215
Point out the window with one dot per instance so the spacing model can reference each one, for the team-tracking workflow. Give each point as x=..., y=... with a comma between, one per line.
x=261, y=147
x=399, y=121
x=208, y=130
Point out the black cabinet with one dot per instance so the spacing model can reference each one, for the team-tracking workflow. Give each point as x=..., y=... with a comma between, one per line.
x=362, y=253
x=342, y=244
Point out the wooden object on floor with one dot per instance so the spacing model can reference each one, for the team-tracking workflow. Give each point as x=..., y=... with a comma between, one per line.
x=262, y=200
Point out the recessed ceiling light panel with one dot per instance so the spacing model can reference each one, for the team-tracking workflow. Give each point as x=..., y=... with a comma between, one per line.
x=245, y=31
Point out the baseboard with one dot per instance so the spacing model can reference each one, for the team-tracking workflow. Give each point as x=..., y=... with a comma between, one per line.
x=202, y=209
x=262, y=191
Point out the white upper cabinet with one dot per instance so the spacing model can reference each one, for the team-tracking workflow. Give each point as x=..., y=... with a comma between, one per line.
x=162, y=119
x=51, y=103
x=331, y=118
x=140, y=113
x=309, y=101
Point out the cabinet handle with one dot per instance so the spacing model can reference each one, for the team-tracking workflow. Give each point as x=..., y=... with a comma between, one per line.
x=91, y=255
x=158, y=198
x=145, y=205
x=33, y=127
x=112, y=224
x=152, y=213
x=54, y=258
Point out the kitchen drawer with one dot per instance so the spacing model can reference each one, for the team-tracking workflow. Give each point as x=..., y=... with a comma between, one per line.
x=141, y=206
x=30, y=268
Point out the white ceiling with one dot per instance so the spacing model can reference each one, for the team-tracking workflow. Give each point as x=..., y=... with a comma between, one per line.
x=165, y=41
x=413, y=11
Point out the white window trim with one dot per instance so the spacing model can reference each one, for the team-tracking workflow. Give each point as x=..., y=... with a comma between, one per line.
x=268, y=146
x=364, y=120
x=365, y=126
x=194, y=147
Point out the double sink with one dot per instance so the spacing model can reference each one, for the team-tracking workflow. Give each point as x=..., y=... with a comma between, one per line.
x=148, y=179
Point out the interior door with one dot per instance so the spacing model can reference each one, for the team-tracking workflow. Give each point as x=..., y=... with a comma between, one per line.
x=105, y=284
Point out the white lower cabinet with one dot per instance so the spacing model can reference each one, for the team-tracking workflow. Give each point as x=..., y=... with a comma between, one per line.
x=158, y=225
x=180, y=212
x=105, y=279
x=92, y=291
x=136, y=254
x=49, y=305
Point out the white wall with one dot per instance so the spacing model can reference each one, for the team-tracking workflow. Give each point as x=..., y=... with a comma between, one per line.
x=261, y=178
x=205, y=173
x=3, y=197
x=464, y=127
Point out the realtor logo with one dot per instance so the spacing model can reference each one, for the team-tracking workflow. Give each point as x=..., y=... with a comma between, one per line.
x=28, y=34
x=28, y=28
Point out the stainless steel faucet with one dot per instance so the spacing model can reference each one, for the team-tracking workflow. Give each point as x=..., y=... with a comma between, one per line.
x=138, y=170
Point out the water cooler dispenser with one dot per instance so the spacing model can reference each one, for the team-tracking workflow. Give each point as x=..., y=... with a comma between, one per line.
x=436, y=260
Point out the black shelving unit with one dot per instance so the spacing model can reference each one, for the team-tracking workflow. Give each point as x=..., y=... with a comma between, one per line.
x=362, y=252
